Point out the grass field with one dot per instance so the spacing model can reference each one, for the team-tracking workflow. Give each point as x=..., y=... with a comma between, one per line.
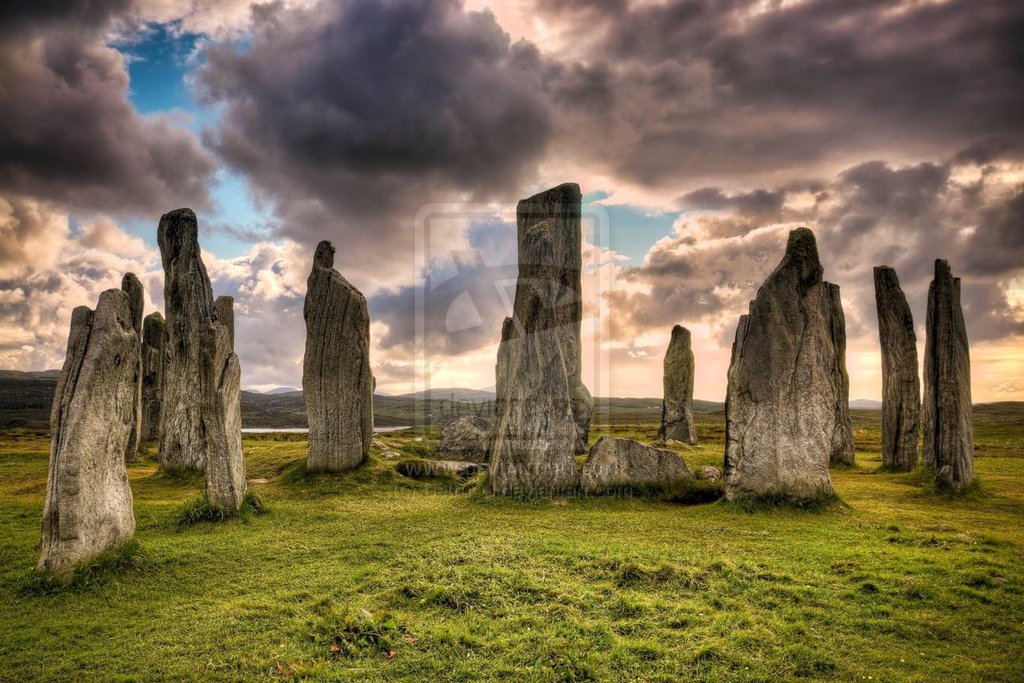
x=371, y=576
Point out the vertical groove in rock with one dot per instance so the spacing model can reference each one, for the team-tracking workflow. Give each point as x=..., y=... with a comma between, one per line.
x=677, y=379
x=787, y=396
x=544, y=410
x=88, y=506
x=154, y=335
x=224, y=307
x=947, y=409
x=901, y=388
x=336, y=378
x=131, y=286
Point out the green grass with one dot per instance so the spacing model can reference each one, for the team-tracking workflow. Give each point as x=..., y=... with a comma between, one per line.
x=375, y=576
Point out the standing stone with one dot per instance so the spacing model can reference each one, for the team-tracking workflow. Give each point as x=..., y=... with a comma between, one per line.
x=131, y=286
x=787, y=384
x=901, y=388
x=201, y=412
x=88, y=508
x=336, y=378
x=154, y=334
x=677, y=404
x=843, y=452
x=188, y=304
x=544, y=410
x=222, y=420
x=948, y=430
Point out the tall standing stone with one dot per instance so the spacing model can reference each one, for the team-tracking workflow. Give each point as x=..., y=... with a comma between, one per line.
x=677, y=380
x=843, y=452
x=901, y=388
x=222, y=420
x=154, y=334
x=787, y=384
x=201, y=411
x=88, y=507
x=336, y=378
x=188, y=304
x=544, y=410
x=131, y=286
x=948, y=429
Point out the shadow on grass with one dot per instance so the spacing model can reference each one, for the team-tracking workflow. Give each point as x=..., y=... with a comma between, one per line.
x=831, y=503
x=179, y=477
x=689, y=492
x=892, y=469
x=297, y=471
x=102, y=570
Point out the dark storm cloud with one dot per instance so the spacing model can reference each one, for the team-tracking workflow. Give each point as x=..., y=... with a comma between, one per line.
x=691, y=89
x=997, y=245
x=69, y=134
x=17, y=17
x=870, y=214
x=351, y=116
x=758, y=202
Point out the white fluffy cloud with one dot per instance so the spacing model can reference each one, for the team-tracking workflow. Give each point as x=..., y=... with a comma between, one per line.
x=50, y=270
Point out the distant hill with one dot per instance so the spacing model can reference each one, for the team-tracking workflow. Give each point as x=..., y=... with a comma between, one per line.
x=29, y=374
x=25, y=402
x=25, y=398
x=866, y=403
x=282, y=390
x=289, y=410
x=451, y=394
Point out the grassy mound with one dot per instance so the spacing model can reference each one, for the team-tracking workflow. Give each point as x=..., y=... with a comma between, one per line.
x=199, y=510
x=102, y=570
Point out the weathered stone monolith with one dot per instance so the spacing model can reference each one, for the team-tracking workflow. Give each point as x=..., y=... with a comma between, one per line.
x=466, y=438
x=131, y=286
x=154, y=334
x=222, y=420
x=785, y=417
x=615, y=463
x=336, y=378
x=947, y=408
x=901, y=388
x=188, y=305
x=88, y=508
x=544, y=410
x=677, y=380
x=201, y=406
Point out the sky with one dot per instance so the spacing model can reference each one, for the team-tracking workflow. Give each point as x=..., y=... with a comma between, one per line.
x=700, y=131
